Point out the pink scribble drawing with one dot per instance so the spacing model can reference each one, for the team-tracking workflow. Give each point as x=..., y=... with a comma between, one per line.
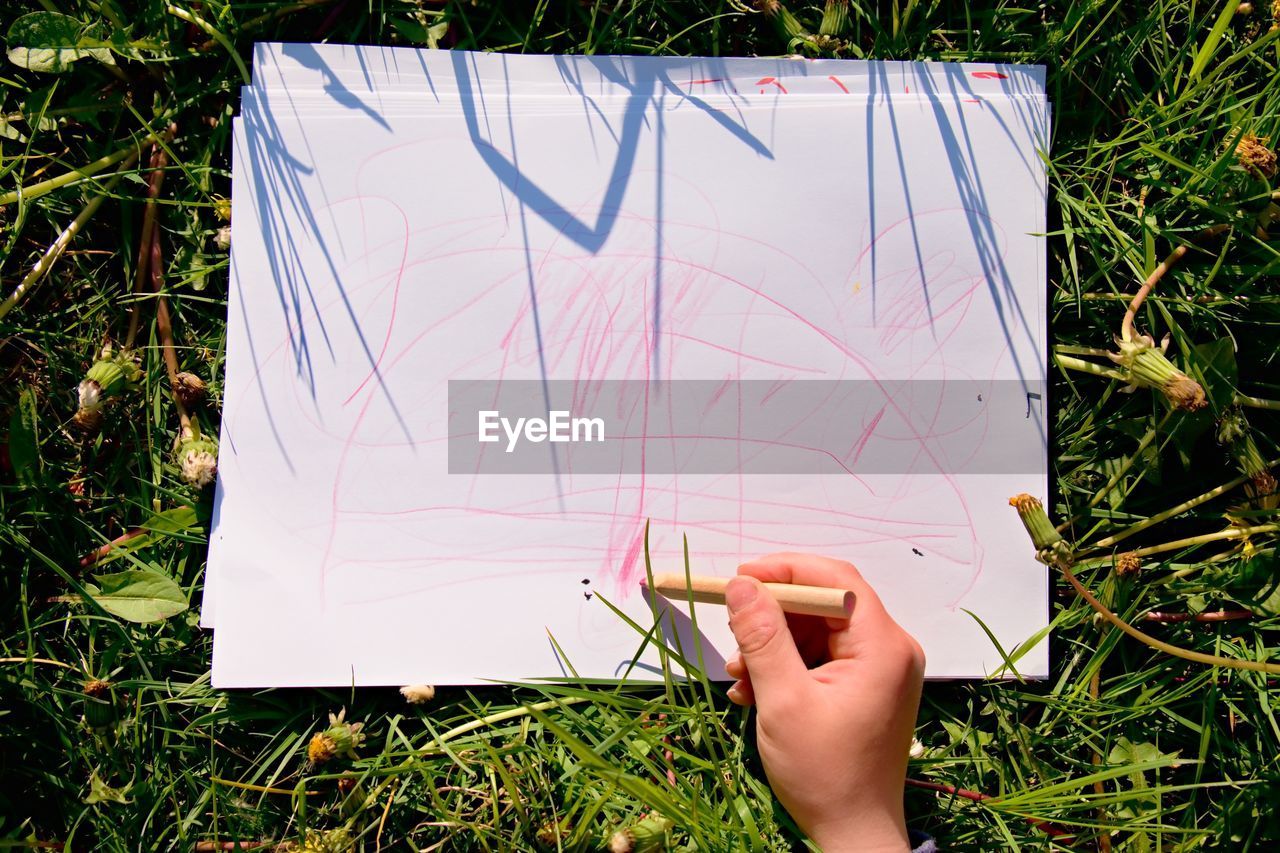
x=505, y=292
x=771, y=81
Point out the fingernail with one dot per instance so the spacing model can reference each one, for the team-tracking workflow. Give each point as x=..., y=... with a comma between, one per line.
x=734, y=694
x=739, y=594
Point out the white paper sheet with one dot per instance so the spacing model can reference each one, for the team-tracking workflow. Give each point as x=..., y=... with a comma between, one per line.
x=377, y=254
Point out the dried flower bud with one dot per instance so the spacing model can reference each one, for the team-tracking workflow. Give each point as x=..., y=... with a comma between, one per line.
x=1128, y=563
x=99, y=703
x=1050, y=547
x=88, y=421
x=826, y=43
x=321, y=748
x=1255, y=157
x=190, y=390
x=1145, y=364
x=340, y=738
x=418, y=694
x=646, y=836
x=917, y=750
x=222, y=238
x=198, y=460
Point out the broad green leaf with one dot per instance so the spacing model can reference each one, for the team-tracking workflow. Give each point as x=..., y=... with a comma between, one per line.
x=1127, y=752
x=101, y=792
x=138, y=595
x=173, y=520
x=24, y=446
x=49, y=41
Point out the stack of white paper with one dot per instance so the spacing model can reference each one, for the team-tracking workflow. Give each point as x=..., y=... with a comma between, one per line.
x=805, y=299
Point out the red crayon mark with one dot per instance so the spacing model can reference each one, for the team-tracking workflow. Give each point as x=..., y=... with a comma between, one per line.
x=972, y=101
x=834, y=79
x=765, y=81
x=990, y=75
x=708, y=80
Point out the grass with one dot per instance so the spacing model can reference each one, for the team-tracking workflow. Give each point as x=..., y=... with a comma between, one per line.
x=1124, y=748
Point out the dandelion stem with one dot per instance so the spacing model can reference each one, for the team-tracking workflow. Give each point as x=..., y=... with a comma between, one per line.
x=261, y=789
x=1160, y=645
x=1087, y=367
x=254, y=23
x=1071, y=349
x=1257, y=402
x=217, y=36
x=1189, y=542
x=979, y=797
x=1212, y=616
x=164, y=327
x=1104, y=836
x=1172, y=511
x=158, y=161
x=1126, y=327
x=34, y=191
x=51, y=255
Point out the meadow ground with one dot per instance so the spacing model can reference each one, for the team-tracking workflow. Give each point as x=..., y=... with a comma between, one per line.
x=110, y=736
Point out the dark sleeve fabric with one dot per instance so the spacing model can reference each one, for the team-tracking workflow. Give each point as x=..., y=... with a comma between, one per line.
x=921, y=843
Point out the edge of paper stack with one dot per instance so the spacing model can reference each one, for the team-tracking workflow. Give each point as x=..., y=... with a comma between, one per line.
x=341, y=150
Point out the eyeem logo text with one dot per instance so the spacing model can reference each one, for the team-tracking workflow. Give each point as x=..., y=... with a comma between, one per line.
x=559, y=427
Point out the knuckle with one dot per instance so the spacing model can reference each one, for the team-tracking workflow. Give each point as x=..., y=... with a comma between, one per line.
x=754, y=634
x=917, y=655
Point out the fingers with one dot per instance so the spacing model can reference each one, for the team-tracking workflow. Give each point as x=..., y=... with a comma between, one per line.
x=740, y=693
x=787, y=567
x=867, y=635
x=768, y=651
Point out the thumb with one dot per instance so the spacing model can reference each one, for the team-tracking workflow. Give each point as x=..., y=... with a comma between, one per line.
x=768, y=649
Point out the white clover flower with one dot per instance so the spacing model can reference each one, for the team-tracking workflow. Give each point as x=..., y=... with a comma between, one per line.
x=917, y=750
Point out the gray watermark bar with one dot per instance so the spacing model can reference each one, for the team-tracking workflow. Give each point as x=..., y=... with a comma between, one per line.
x=707, y=426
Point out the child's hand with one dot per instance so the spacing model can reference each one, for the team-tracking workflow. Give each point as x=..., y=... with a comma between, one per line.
x=833, y=739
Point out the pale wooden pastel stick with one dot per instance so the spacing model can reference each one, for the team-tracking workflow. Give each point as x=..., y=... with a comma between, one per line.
x=794, y=598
